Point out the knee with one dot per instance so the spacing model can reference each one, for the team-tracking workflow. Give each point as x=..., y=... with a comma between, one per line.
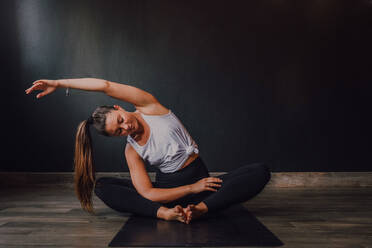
x=267, y=172
x=99, y=185
x=264, y=172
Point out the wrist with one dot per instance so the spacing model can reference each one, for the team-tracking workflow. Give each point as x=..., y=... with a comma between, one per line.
x=58, y=84
x=191, y=188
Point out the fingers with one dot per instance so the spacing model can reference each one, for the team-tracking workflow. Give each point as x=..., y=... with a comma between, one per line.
x=214, y=179
x=40, y=86
x=213, y=182
x=211, y=189
x=213, y=185
x=30, y=89
x=210, y=185
x=39, y=81
x=34, y=87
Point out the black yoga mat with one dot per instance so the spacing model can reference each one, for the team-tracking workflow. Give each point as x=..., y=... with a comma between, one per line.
x=234, y=226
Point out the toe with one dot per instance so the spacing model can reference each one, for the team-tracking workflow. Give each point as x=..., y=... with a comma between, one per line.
x=178, y=209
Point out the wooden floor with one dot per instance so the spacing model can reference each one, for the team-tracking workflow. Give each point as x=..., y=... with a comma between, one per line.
x=50, y=216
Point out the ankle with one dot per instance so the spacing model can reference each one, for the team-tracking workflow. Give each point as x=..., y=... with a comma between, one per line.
x=202, y=206
x=162, y=213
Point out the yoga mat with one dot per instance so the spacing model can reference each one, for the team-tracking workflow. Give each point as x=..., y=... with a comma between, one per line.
x=234, y=226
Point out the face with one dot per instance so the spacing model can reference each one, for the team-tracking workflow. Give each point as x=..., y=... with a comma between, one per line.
x=120, y=122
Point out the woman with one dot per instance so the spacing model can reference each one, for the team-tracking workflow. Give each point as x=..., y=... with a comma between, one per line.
x=183, y=190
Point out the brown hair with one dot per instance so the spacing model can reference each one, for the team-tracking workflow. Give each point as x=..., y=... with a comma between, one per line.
x=84, y=175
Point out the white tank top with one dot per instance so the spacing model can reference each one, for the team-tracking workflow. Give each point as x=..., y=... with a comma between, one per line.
x=169, y=144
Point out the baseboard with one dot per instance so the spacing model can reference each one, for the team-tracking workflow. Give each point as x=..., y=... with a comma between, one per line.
x=278, y=179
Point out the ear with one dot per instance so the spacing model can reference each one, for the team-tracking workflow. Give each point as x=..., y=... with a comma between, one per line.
x=117, y=107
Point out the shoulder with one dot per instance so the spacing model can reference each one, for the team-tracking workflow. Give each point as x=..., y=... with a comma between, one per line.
x=153, y=109
x=130, y=152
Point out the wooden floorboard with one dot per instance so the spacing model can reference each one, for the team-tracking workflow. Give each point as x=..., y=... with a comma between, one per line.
x=50, y=216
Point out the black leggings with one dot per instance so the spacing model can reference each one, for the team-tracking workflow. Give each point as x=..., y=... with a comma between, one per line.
x=239, y=185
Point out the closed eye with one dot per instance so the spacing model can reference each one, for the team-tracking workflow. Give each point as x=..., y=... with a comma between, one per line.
x=119, y=130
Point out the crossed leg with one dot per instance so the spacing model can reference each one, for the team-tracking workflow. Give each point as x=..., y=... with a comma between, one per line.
x=238, y=186
x=121, y=195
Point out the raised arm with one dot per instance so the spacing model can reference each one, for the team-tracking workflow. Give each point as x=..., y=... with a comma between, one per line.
x=131, y=94
x=142, y=182
x=127, y=93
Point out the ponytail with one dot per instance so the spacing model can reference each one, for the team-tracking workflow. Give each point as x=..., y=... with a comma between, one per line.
x=84, y=175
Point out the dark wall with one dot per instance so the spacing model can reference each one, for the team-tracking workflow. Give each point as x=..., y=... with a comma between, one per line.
x=283, y=82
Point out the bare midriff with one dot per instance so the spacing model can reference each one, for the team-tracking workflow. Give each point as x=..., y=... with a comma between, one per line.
x=188, y=161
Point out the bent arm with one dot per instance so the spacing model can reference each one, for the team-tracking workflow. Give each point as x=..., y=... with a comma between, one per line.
x=127, y=93
x=165, y=195
x=142, y=182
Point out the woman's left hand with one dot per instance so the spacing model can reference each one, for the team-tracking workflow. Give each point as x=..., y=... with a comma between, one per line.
x=47, y=86
x=206, y=184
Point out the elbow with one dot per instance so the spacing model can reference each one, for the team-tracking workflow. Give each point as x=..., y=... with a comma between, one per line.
x=148, y=99
x=153, y=99
x=106, y=86
x=147, y=194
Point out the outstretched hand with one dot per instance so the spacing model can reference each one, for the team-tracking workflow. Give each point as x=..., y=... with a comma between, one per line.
x=47, y=86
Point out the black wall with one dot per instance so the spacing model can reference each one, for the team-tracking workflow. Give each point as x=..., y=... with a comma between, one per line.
x=283, y=82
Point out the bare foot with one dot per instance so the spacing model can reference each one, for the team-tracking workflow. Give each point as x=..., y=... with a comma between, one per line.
x=188, y=214
x=175, y=213
x=196, y=211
